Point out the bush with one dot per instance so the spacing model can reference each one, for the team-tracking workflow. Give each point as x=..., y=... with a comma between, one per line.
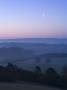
x=51, y=77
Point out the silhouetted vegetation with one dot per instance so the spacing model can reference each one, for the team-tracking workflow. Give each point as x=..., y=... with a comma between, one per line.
x=11, y=73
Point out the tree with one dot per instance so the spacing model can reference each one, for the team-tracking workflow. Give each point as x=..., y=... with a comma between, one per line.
x=12, y=67
x=64, y=71
x=37, y=73
x=51, y=76
x=37, y=70
x=64, y=77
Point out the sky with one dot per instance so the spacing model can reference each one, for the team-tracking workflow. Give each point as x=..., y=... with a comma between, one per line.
x=33, y=18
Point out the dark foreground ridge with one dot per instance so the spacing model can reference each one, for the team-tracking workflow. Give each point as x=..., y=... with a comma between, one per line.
x=11, y=73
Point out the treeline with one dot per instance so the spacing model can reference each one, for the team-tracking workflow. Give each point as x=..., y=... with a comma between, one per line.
x=11, y=73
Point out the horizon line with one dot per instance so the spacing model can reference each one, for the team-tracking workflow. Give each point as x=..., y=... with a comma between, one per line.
x=29, y=38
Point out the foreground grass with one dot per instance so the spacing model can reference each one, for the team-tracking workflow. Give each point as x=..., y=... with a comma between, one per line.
x=11, y=73
x=23, y=86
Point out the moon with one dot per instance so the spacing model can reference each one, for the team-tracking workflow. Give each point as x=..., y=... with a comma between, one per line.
x=43, y=14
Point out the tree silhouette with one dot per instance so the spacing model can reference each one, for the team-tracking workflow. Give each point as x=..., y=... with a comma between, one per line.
x=37, y=70
x=51, y=76
x=64, y=71
x=37, y=73
x=64, y=77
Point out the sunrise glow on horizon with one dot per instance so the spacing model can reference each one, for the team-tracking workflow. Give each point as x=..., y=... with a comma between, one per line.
x=33, y=18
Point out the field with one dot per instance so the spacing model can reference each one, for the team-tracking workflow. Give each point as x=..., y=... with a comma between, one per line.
x=24, y=86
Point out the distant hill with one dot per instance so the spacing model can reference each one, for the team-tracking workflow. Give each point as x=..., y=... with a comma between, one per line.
x=13, y=53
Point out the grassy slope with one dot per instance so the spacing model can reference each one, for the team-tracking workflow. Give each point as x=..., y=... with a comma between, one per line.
x=24, y=86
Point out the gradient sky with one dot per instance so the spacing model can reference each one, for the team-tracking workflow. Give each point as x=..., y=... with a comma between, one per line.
x=33, y=18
